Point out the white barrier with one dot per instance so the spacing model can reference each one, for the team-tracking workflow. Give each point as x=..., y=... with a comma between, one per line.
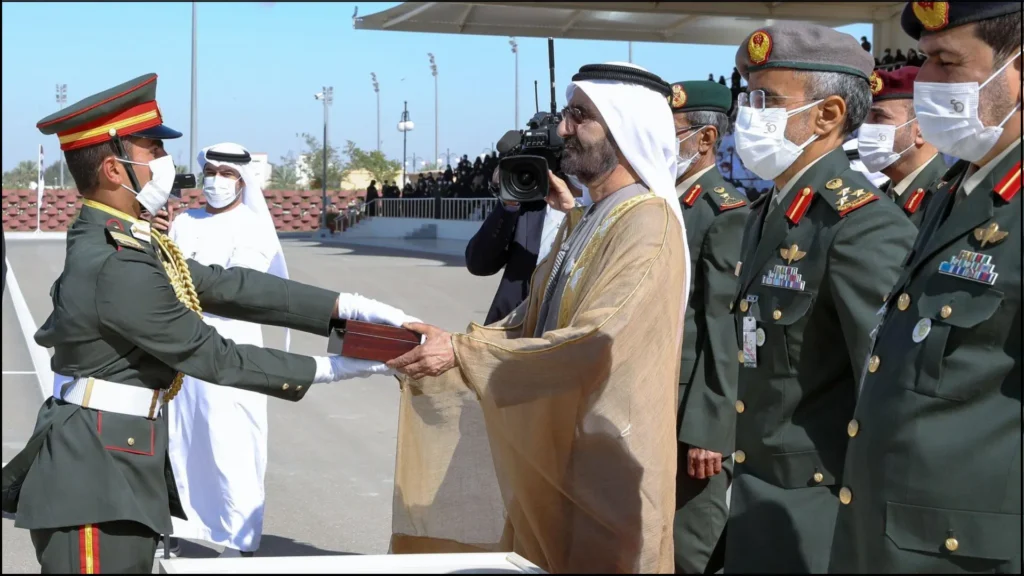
x=496, y=563
x=475, y=209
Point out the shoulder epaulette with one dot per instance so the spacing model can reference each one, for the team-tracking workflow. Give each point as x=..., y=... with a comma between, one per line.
x=120, y=239
x=723, y=200
x=1009, y=186
x=847, y=199
x=914, y=202
x=691, y=195
x=801, y=202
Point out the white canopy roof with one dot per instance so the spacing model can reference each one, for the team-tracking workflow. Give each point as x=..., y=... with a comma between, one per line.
x=725, y=23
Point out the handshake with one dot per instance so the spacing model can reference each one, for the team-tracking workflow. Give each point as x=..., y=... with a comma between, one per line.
x=435, y=354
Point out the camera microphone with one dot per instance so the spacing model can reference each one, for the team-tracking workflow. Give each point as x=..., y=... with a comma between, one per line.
x=510, y=140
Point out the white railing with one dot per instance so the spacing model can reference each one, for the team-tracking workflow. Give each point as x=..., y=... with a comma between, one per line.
x=467, y=208
x=432, y=208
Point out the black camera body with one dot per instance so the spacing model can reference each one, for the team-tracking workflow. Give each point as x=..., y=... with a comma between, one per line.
x=526, y=156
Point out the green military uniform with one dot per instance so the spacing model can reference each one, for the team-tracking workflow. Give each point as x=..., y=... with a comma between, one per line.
x=918, y=192
x=814, y=270
x=714, y=213
x=95, y=486
x=933, y=467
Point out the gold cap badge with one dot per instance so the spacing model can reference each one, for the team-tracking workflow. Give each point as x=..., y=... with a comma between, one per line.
x=933, y=16
x=759, y=47
x=876, y=83
x=678, y=96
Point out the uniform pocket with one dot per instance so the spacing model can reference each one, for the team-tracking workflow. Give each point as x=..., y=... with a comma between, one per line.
x=801, y=470
x=123, y=433
x=956, y=533
x=954, y=317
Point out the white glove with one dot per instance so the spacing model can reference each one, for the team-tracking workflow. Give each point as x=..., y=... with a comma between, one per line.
x=335, y=368
x=356, y=307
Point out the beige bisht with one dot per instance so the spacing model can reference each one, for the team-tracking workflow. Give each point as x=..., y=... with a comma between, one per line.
x=560, y=448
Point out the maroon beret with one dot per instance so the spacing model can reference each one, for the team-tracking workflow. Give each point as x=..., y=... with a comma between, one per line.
x=895, y=85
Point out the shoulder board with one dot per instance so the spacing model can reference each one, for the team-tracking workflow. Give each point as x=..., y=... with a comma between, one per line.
x=724, y=200
x=914, y=202
x=850, y=198
x=120, y=239
x=1009, y=186
x=691, y=195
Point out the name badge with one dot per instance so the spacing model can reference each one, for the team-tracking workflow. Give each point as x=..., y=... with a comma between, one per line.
x=749, y=342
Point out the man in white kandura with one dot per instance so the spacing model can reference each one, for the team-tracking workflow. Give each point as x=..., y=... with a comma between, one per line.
x=218, y=435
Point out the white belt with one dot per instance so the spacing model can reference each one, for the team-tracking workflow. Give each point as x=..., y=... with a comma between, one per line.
x=108, y=396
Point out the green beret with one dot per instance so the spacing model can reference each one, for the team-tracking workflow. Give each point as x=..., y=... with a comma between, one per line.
x=700, y=96
x=797, y=46
x=922, y=18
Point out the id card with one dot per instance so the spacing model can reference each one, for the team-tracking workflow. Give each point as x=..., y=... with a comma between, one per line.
x=749, y=342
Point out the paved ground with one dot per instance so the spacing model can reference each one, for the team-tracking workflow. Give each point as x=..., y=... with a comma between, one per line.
x=331, y=463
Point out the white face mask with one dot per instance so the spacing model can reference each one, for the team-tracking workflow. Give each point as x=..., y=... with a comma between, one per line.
x=761, y=140
x=683, y=164
x=157, y=191
x=875, y=142
x=948, y=116
x=219, y=190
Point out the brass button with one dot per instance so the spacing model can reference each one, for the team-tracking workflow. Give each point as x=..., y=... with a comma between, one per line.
x=284, y=386
x=131, y=441
x=806, y=191
x=873, y=364
x=740, y=356
x=952, y=544
x=298, y=388
x=852, y=428
x=845, y=496
x=744, y=306
x=731, y=305
x=945, y=312
x=777, y=314
x=740, y=406
x=904, y=302
x=740, y=456
x=818, y=477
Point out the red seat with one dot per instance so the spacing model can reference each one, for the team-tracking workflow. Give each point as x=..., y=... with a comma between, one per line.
x=52, y=224
x=276, y=211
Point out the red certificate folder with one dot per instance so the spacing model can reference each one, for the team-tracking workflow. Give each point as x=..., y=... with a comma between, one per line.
x=368, y=341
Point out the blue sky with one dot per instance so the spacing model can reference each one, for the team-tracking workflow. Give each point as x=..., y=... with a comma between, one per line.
x=260, y=64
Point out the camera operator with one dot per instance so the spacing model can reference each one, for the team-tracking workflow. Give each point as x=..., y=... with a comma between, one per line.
x=515, y=237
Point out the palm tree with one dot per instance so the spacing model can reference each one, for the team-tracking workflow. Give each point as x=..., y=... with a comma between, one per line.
x=21, y=175
x=284, y=177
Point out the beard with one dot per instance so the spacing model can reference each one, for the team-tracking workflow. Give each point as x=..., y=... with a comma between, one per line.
x=588, y=162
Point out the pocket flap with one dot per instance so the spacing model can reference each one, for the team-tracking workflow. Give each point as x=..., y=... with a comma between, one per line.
x=123, y=433
x=978, y=534
x=965, y=310
x=783, y=307
x=799, y=470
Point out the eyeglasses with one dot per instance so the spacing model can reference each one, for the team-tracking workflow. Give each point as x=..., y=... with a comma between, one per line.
x=758, y=100
x=691, y=128
x=575, y=114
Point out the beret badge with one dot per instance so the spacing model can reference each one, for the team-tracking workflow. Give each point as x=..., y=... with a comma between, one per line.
x=876, y=83
x=678, y=96
x=759, y=47
x=933, y=16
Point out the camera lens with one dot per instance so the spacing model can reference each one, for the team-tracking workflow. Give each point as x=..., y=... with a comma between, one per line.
x=524, y=180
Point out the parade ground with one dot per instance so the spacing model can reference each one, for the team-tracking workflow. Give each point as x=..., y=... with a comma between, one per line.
x=331, y=456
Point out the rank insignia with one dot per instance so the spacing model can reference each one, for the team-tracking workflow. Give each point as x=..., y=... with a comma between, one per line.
x=760, y=47
x=784, y=277
x=850, y=201
x=915, y=201
x=692, y=195
x=728, y=202
x=799, y=206
x=792, y=254
x=834, y=184
x=141, y=230
x=1009, y=185
x=932, y=15
x=990, y=235
x=971, y=266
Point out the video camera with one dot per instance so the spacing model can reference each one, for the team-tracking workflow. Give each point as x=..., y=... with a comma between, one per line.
x=526, y=156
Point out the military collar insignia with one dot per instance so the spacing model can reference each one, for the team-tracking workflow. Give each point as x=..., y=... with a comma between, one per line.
x=692, y=195
x=989, y=235
x=800, y=205
x=792, y=254
x=876, y=83
x=759, y=48
x=142, y=231
x=972, y=266
x=914, y=202
x=934, y=16
x=1009, y=186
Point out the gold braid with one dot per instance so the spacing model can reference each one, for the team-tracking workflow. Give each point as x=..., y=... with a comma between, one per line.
x=181, y=280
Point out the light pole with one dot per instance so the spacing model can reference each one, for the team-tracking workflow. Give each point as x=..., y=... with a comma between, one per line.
x=376, y=88
x=433, y=70
x=328, y=98
x=515, y=52
x=193, y=136
x=404, y=126
x=62, y=99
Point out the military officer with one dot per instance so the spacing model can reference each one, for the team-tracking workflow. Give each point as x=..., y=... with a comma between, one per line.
x=714, y=213
x=93, y=485
x=819, y=253
x=890, y=142
x=933, y=466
